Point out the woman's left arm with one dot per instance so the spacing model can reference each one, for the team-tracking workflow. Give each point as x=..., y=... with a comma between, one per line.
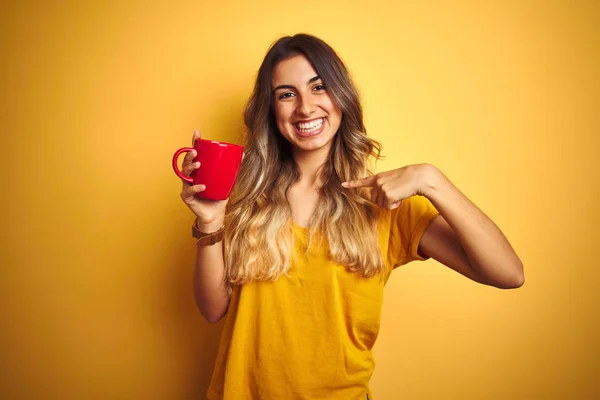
x=462, y=237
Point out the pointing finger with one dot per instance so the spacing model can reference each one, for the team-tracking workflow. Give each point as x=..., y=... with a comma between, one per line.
x=364, y=182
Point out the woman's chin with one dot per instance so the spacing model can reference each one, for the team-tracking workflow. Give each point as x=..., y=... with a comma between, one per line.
x=313, y=145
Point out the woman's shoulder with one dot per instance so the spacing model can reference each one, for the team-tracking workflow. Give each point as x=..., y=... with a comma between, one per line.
x=408, y=212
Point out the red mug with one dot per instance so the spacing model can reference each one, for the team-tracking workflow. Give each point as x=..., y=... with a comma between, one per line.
x=219, y=166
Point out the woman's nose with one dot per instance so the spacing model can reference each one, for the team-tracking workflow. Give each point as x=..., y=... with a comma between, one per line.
x=307, y=105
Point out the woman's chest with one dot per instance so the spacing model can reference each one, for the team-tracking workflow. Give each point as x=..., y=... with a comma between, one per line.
x=303, y=202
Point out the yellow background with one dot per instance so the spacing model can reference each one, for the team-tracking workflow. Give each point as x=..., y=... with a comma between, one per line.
x=97, y=258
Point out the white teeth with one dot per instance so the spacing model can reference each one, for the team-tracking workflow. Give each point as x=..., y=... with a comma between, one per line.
x=310, y=126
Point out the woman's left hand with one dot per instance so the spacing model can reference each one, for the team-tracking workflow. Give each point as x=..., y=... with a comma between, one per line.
x=389, y=188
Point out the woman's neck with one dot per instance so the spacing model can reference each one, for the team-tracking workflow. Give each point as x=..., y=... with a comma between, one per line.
x=309, y=163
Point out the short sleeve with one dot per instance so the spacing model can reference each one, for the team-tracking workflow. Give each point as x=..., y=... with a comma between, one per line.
x=407, y=225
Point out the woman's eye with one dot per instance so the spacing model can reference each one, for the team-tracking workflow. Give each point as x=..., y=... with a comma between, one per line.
x=320, y=87
x=285, y=95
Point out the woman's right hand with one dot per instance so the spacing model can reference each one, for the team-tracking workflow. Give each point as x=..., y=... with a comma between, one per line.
x=210, y=213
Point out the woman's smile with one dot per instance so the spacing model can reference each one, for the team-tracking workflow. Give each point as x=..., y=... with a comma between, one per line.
x=309, y=128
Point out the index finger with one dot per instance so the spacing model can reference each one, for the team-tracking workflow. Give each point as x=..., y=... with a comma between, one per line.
x=368, y=181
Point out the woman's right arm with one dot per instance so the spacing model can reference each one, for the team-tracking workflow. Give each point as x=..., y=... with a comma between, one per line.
x=210, y=288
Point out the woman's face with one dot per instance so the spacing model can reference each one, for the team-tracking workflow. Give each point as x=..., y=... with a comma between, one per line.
x=305, y=112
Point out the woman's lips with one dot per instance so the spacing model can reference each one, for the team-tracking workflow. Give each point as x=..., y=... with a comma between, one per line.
x=309, y=133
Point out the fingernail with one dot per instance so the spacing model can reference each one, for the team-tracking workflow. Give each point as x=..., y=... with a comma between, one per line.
x=197, y=164
x=345, y=184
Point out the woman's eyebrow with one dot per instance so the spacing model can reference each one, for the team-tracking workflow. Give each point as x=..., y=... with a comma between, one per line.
x=311, y=80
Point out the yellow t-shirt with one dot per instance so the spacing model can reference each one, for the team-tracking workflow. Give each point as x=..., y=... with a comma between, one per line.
x=309, y=336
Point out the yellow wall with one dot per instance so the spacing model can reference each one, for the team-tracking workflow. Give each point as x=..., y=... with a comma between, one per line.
x=96, y=253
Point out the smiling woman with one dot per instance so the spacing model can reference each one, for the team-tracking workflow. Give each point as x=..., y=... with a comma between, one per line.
x=305, y=112
x=312, y=236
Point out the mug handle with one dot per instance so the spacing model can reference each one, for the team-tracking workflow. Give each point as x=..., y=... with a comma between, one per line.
x=188, y=179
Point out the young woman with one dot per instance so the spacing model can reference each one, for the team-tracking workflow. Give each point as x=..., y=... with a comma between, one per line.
x=311, y=236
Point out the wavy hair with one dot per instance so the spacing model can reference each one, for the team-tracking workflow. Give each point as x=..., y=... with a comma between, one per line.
x=260, y=240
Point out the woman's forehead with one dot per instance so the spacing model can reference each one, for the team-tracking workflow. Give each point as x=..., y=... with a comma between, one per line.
x=296, y=70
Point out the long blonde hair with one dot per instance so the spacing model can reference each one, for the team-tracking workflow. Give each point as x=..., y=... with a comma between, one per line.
x=259, y=238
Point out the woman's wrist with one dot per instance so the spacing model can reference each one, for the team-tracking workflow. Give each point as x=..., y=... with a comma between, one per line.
x=208, y=228
x=430, y=179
